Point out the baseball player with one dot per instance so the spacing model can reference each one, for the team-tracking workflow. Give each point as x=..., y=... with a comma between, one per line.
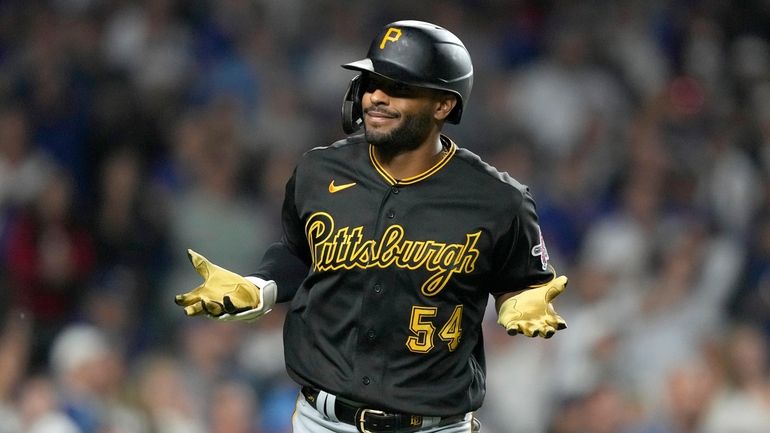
x=392, y=242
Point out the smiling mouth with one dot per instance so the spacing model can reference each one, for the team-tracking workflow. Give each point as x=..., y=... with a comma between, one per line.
x=379, y=114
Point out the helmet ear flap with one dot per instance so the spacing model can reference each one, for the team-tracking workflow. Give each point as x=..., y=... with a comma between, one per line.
x=352, y=113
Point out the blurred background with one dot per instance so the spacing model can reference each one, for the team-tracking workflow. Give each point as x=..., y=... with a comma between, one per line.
x=133, y=130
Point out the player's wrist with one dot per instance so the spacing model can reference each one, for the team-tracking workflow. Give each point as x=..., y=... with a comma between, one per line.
x=268, y=291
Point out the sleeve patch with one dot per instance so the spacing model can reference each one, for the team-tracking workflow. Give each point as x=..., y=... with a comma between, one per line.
x=540, y=250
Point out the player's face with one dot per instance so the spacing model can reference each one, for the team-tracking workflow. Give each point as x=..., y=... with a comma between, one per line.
x=397, y=117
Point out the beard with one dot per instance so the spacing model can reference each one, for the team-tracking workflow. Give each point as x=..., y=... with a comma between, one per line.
x=409, y=135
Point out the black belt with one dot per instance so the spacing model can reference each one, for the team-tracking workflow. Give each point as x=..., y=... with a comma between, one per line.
x=377, y=421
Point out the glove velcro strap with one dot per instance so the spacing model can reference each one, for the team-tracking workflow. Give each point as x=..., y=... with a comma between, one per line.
x=268, y=292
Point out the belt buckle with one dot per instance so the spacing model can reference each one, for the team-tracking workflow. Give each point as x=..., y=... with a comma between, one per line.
x=362, y=418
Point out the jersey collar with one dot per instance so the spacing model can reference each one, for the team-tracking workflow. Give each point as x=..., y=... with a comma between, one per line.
x=451, y=149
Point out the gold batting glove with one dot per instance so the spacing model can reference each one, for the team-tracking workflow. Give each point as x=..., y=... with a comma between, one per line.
x=268, y=291
x=531, y=312
x=222, y=292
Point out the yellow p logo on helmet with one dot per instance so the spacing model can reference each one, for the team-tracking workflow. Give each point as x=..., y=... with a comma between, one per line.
x=391, y=35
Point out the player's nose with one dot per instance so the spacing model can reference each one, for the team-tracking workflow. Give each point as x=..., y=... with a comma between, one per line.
x=378, y=96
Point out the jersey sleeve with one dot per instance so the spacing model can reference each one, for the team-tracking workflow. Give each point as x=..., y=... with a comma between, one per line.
x=287, y=262
x=521, y=258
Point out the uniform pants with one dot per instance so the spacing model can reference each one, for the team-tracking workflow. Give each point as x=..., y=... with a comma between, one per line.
x=307, y=419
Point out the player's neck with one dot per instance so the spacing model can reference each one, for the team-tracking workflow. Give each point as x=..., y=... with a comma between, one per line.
x=413, y=162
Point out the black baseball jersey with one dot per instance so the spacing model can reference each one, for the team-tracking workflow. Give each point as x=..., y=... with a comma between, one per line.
x=395, y=274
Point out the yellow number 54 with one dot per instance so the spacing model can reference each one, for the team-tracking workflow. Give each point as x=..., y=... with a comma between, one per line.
x=423, y=329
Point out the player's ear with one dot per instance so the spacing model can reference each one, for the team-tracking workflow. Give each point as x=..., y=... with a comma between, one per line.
x=445, y=103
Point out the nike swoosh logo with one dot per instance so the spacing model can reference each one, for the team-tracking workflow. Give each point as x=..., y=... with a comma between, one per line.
x=337, y=188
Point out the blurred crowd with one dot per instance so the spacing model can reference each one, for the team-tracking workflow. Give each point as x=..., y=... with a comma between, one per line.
x=133, y=130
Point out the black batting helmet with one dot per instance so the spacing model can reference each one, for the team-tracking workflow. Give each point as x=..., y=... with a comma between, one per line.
x=415, y=53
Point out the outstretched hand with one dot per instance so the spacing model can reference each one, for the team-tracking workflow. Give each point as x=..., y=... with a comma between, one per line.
x=222, y=293
x=531, y=312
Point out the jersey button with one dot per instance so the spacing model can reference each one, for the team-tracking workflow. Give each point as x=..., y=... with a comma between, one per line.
x=391, y=214
x=365, y=380
x=371, y=334
x=395, y=190
x=377, y=288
